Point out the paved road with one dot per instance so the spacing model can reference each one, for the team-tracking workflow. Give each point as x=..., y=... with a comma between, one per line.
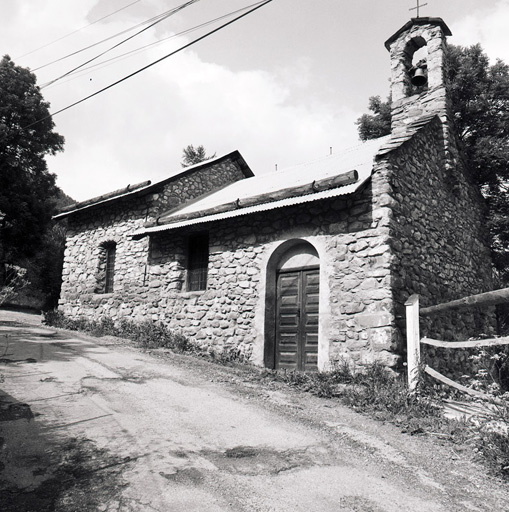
x=93, y=424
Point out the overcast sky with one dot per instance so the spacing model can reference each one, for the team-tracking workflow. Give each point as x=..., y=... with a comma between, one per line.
x=282, y=85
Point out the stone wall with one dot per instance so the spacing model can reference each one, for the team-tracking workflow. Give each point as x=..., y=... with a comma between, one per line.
x=439, y=237
x=351, y=236
x=193, y=183
x=89, y=229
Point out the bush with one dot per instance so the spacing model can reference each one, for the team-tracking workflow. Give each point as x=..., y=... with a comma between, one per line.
x=494, y=447
x=15, y=281
x=227, y=355
x=146, y=334
x=375, y=391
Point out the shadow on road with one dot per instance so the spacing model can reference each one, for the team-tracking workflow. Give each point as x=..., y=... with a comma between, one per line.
x=43, y=470
x=44, y=467
x=40, y=344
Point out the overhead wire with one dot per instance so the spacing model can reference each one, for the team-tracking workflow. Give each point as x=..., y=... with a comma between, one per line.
x=77, y=30
x=110, y=61
x=169, y=13
x=109, y=38
x=257, y=6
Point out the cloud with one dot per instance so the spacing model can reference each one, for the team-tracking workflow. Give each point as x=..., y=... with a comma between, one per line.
x=488, y=26
x=137, y=130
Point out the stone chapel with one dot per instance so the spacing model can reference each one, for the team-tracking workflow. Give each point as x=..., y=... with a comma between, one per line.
x=297, y=268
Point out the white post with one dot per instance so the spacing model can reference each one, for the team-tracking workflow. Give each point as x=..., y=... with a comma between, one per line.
x=413, y=341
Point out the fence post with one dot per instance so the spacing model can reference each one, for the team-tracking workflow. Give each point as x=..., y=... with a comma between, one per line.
x=413, y=341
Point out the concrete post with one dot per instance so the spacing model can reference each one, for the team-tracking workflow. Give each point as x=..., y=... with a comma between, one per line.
x=413, y=340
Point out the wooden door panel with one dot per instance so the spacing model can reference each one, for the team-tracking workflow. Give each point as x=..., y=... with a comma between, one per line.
x=288, y=320
x=297, y=320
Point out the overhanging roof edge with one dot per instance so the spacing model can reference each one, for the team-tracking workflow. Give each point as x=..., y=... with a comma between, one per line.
x=340, y=191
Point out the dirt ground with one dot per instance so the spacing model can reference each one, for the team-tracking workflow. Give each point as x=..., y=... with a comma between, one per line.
x=93, y=424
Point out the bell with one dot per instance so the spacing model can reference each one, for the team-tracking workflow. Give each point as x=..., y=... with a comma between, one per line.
x=419, y=79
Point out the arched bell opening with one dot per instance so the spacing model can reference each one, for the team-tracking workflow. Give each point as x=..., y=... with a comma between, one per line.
x=416, y=64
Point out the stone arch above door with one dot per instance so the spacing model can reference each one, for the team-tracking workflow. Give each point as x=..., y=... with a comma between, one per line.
x=291, y=307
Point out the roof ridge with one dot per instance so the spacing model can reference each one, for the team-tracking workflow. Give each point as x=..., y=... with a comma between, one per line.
x=349, y=149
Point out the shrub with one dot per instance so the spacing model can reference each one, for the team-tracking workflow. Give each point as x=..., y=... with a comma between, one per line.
x=227, y=355
x=494, y=447
x=146, y=334
x=15, y=281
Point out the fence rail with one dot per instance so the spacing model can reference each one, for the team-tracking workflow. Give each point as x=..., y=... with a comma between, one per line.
x=481, y=299
x=414, y=340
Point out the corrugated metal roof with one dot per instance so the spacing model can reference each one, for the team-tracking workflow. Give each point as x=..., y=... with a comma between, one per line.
x=359, y=158
x=106, y=198
x=148, y=186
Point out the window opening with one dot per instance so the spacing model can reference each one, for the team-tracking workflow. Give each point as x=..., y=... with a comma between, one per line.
x=198, y=261
x=110, y=269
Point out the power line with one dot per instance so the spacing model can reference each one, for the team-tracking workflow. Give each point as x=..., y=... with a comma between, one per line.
x=125, y=31
x=257, y=5
x=162, y=18
x=77, y=30
x=108, y=62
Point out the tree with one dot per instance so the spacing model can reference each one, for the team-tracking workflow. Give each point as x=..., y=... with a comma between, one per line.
x=480, y=107
x=27, y=190
x=192, y=155
x=376, y=125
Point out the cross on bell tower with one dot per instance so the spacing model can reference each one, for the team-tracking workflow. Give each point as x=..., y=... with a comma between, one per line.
x=419, y=5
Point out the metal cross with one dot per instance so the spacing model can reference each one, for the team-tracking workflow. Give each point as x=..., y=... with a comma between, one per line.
x=419, y=5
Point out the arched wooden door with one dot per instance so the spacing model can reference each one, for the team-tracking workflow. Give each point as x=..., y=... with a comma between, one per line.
x=297, y=301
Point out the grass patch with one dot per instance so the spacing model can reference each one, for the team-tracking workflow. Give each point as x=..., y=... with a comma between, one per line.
x=384, y=396
x=146, y=334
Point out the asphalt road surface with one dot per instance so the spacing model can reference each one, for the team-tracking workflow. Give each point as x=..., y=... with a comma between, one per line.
x=92, y=424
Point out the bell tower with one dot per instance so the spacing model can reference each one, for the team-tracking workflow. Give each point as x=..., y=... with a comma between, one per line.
x=419, y=72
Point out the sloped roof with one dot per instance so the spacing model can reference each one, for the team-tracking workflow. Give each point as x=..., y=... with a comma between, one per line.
x=105, y=198
x=404, y=133
x=418, y=21
x=303, y=183
x=147, y=186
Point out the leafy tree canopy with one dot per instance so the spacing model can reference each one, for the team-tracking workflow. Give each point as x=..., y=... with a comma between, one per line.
x=480, y=107
x=27, y=190
x=192, y=155
x=378, y=124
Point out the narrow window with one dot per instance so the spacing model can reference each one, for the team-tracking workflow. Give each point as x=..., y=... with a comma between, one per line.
x=198, y=261
x=110, y=269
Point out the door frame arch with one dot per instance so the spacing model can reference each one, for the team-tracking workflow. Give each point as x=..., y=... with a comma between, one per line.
x=279, y=252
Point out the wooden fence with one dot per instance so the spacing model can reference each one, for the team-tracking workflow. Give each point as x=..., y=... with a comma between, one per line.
x=414, y=340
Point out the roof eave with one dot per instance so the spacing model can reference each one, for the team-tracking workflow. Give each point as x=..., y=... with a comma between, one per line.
x=418, y=21
x=128, y=193
x=235, y=209
x=85, y=205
